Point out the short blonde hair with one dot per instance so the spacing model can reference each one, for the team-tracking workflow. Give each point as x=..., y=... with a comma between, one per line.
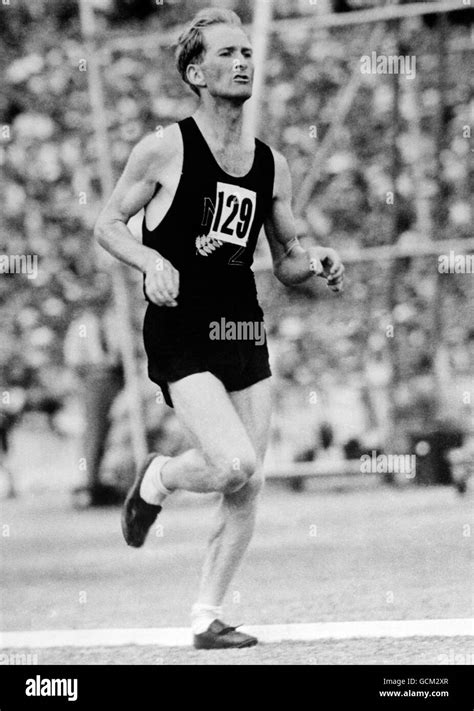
x=191, y=45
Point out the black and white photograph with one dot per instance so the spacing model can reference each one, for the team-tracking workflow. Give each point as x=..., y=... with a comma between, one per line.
x=237, y=341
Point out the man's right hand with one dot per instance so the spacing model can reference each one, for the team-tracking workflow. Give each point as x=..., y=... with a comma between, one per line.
x=161, y=282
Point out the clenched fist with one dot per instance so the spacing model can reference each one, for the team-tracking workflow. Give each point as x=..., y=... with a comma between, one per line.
x=161, y=282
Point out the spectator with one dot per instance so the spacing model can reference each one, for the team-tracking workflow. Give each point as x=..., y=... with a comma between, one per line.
x=91, y=350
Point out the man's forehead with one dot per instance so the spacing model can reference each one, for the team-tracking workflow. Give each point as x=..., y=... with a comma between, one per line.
x=220, y=36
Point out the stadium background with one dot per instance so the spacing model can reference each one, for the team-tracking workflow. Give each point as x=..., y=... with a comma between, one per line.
x=384, y=367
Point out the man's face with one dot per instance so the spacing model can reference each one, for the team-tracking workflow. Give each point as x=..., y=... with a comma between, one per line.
x=227, y=68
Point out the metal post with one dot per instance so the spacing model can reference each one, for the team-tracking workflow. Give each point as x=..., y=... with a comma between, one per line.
x=262, y=20
x=394, y=348
x=342, y=105
x=122, y=305
x=442, y=382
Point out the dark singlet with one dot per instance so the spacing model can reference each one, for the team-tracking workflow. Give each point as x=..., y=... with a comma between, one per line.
x=210, y=232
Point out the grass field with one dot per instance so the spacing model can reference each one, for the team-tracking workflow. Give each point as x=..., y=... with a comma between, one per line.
x=372, y=554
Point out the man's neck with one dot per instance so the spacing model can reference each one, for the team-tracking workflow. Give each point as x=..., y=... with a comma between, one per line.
x=221, y=122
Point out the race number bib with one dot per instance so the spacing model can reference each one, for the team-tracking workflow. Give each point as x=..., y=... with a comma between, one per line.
x=233, y=214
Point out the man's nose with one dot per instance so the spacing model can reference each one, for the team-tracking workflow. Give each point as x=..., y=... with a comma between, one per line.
x=240, y=62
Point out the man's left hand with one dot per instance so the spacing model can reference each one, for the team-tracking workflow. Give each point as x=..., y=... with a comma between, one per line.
x=326, y=262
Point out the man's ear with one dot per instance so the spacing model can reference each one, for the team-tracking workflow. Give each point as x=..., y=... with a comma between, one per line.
x=195, y=76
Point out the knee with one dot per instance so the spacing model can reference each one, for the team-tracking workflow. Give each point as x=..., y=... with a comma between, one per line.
x=249, y=492
x=255, y=484
x=236, y=472
x=244, y=499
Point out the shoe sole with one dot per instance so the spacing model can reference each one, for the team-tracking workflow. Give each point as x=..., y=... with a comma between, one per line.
x=244, y=645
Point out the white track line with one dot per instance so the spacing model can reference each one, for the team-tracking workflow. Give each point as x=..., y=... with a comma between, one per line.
x=181, y=636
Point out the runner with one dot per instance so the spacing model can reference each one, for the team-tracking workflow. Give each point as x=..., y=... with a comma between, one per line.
x=207, y=189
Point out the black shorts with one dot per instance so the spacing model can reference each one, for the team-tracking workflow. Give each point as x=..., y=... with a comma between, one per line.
x=177, y=346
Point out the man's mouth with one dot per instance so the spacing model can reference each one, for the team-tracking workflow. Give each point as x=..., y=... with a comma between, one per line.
x=241, y=78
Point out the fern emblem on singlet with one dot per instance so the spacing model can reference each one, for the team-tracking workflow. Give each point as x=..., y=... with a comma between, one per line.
x=205, y=244
x=230, y=216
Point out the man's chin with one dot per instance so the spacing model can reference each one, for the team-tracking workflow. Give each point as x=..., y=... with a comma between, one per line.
x=238, y=93
x=238, y=97
x=245, y=92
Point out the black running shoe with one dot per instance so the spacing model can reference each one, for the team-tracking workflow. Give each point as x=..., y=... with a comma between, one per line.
x=221, y=636
x=137, y=515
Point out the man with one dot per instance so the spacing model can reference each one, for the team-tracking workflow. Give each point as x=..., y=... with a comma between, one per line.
x=91, y=350
x=207, y=189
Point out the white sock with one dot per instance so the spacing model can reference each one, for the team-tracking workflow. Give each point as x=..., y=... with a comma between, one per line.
x=202, y=616
x=152, y=489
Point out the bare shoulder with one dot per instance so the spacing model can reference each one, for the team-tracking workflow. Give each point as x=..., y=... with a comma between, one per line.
x=156, y=151
x=282, y=182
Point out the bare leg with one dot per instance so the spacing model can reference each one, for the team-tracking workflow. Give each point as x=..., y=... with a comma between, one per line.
x=230, y=431
x=237, y=511
x=224, y=458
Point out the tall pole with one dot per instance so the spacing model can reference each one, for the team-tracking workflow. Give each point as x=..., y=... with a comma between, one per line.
x=441, y=389
x=119, y=282
x=342, y=106
x=394, y=348
x=262, y=19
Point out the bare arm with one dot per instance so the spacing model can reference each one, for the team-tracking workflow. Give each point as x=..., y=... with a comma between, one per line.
x=133, y=191
x=291, y=263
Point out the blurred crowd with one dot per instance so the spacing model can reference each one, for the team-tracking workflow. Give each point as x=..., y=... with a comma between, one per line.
x=341, y=376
